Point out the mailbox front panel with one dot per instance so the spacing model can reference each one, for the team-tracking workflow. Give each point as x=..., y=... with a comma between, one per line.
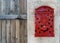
x=44, y=22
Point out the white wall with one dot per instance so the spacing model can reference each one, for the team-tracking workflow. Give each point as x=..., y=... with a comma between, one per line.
x=31, y=5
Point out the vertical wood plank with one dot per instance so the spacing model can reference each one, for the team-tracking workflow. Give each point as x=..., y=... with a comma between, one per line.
x=23, y=6
x=3, y=31
x=17, y=31
x=22, y=31
x=20, y=2
x=13, y=31
x=8, y=31
x=0, y=32
x=0, y=7
x=25, y=31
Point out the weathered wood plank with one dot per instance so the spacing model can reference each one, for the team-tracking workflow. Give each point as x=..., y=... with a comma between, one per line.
x=22, y=31
x=0, y=32
x=24, y=10
x=25, y=31
x=16, y=16
x=17, y=31
x=23, y=6
x=8, y=26
x=4, y=31
x=13, y=31
x=21, y=27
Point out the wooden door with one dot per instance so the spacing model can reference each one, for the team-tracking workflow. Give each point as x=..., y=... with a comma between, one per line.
x=14, y=31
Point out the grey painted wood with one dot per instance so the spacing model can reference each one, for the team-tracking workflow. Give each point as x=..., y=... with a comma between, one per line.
x=23, y=6
x=0, y=7
x=0, y=31
x=21, y=16
x=13, y=6
x=7, y=6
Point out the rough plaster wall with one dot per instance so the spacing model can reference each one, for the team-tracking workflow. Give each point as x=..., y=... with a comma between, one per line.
x=31, y=5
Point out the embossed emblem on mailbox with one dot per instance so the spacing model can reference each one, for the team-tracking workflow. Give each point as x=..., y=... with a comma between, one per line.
x=44, y=22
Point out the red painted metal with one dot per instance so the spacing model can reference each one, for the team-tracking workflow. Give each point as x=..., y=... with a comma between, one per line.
x=44, y=22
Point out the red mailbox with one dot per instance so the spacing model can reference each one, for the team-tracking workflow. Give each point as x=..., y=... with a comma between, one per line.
x=44, y=22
